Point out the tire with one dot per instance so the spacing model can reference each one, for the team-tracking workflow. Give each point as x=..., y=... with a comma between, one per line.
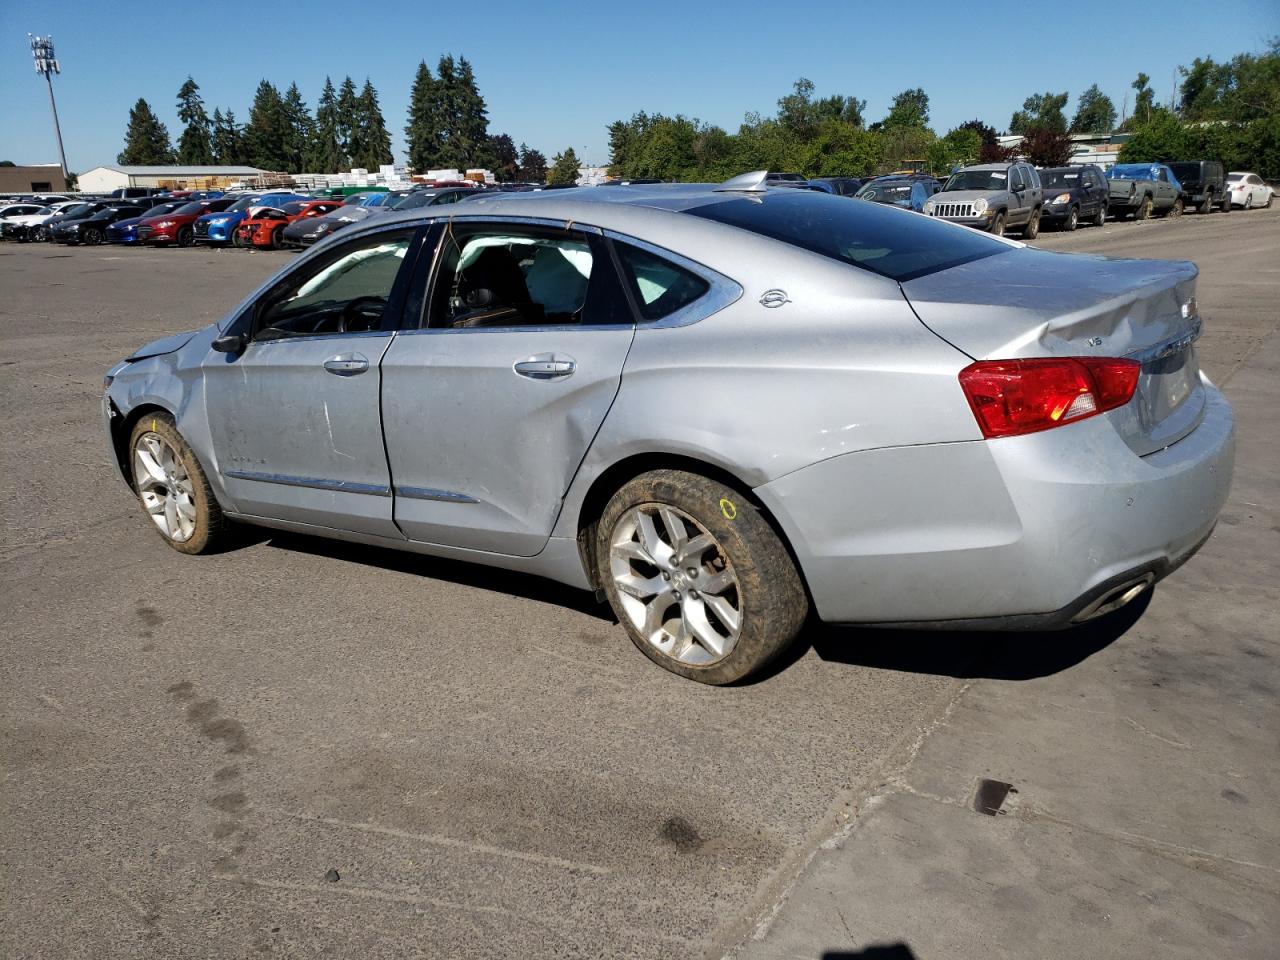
x=1248, y=201
x=1174, y=211
x=235, y=239
x=1073, y=219
x=276, y=242
x=91, y=238
x=1100, y=218
x=1267, y=205
x=1032, y=229
x=663, y=611
x=186, y=237
x=172, y=487
x=1144, y=209
x=997, y=225
x=1206, y=205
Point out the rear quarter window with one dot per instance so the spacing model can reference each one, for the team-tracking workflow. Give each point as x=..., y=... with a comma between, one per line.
x=659, y=287
x=875, y=237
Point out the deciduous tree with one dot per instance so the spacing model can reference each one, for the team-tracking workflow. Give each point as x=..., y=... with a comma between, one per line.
x=533, y=165
x=1041, y=110
x=1046, y=146
x=1095, y=113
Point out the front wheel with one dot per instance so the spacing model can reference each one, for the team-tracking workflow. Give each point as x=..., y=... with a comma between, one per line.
x=697, y=576
x=1073, y=219
x=1175, y=211
x=1144, y=209
x=1206, y=205
x=186, y=237
x=91, y=237
x=1100, y=218
x=1248, y=202
x=997, y=225
x=173, y=488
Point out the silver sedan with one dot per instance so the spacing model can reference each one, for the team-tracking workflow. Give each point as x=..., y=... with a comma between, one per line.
x=725, y=409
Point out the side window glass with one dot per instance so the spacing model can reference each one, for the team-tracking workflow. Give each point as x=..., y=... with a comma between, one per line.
x=346, y=293
x=509, y=277
x=1015, y=179
x=659, y=286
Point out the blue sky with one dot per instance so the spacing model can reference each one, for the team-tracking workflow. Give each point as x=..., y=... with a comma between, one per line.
x=554, y=74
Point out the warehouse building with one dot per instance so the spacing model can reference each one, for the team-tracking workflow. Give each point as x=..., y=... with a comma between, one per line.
x=106, y=179
x=35, y=178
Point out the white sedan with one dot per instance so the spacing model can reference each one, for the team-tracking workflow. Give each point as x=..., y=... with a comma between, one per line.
x=1249, y=190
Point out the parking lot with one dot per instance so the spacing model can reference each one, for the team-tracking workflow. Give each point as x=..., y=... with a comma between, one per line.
x=308, y=748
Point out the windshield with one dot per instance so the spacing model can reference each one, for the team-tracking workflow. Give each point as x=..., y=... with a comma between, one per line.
x=1234, y=177
x=294, y=208
x=1185, y=171
x=244, y=203
x=422, y=198
x=1061, y=179
x=165, y=208
x=80, y=209
x=892, y=243
x=978, y=180
x=892, y=192
x=194, y=207
x=1132, y=171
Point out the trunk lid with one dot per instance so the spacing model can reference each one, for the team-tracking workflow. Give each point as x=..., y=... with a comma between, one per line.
x=1034, y=303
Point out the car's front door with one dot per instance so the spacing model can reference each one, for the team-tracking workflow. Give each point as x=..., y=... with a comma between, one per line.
x=490, y=406
x=295, y=416
x=1019, y=190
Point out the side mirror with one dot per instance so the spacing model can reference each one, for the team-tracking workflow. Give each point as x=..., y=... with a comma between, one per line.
x=232, y=343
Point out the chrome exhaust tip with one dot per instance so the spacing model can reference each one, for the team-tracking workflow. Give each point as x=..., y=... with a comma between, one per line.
x=1113, y=600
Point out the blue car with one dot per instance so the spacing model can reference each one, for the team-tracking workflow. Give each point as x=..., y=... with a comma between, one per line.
x=126, y=231
x=907, y=192
x=220, y=228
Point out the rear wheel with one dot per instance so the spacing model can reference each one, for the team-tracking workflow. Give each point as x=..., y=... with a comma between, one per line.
x=173, y=488
x=997, y=225
x=1032, y=229
x=697, y=576
x=1073, y=219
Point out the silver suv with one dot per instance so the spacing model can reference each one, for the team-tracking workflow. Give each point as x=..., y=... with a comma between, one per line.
x=992, y=197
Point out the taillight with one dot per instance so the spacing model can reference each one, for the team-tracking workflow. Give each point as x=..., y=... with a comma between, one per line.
x=1011, y=397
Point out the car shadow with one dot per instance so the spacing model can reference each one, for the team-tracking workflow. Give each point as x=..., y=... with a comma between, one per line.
x=986, y=655
x=877, y=951
x=461, y=572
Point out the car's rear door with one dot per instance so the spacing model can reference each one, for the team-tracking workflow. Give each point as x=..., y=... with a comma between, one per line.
x=295, y=418
x=490, y=405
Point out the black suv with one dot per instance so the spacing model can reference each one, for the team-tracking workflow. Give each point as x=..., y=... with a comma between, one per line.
x=1203, y=184
x=1072, y=194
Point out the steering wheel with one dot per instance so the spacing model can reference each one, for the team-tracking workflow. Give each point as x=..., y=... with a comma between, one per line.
x=367, y=309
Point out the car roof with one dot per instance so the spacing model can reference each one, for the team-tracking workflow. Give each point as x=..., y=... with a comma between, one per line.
x=992, y=166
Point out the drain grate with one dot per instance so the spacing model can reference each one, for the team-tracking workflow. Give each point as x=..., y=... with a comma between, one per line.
x=991, y=796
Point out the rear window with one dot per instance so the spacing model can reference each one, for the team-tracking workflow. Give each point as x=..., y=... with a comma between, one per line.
x=893, y=243
x=659, y=286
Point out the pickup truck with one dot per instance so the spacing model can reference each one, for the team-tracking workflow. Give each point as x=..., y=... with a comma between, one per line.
x=1203, y=184
x=1141, y=189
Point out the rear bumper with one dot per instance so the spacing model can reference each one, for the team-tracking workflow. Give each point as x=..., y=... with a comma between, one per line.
x=1018, y=533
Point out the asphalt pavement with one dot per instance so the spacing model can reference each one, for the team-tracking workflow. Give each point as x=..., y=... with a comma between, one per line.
x=305, y=748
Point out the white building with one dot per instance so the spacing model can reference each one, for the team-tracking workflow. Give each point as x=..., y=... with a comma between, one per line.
x=106, y=179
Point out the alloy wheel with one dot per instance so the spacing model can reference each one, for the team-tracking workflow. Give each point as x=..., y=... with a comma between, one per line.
x=165, y=487
x=676, y=584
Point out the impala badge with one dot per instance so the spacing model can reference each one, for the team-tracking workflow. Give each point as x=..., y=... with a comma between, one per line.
x=774, y=298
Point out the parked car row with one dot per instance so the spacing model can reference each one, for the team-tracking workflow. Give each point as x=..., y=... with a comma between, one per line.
x=996, y=197
x=261, y=219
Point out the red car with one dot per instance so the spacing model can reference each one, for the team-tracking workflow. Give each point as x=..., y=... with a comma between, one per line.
x=175, y=226
x=264, y=226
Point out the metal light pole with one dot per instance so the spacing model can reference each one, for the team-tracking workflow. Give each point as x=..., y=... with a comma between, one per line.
x=47, y=66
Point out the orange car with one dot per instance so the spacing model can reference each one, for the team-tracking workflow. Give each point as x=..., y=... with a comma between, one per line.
x=264, y=225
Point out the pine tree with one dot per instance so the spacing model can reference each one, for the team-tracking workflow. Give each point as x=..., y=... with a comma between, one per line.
x=472, y=133
x=324, y=153
x=301, y=129
x=374, y=139
x=267, y=133
x=564, y=168
x=228, y=140
x=195, y=146
x=422, y=134
x=533, y=165
x=348, y=112
x=448, y=113
x=146, y=141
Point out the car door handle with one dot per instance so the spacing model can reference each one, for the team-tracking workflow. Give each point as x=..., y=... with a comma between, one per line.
x=545, y=366
x=347, y=366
